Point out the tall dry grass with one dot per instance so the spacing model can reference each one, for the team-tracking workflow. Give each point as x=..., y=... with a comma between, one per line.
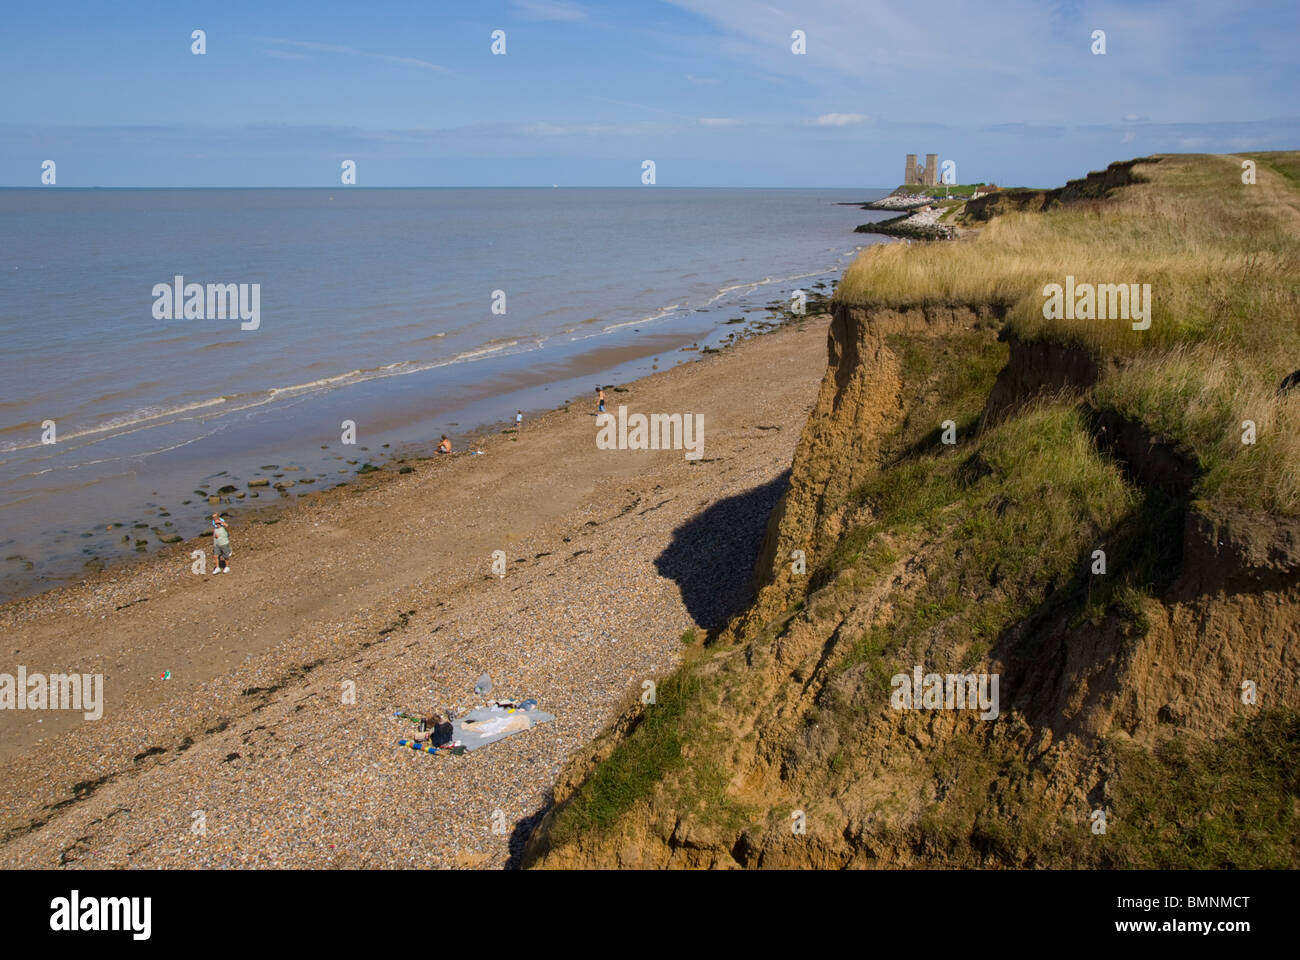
x=1223, y=262
x=1203, y=397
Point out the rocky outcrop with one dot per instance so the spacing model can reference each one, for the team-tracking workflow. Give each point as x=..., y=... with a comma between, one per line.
x=899, y=201
x=922, y=225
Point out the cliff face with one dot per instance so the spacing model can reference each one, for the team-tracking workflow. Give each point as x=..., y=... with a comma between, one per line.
x=1229, y=592
x=1095, y=186
x=860, y=400
x=791, y=754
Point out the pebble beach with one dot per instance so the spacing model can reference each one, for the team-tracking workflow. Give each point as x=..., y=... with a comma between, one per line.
x=248, y=718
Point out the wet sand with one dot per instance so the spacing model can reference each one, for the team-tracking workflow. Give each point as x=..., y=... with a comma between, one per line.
x=127, y=511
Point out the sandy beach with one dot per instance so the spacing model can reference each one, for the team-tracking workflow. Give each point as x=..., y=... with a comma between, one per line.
x=248, y=754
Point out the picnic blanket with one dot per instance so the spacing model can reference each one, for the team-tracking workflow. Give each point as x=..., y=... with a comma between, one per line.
x=480, y=727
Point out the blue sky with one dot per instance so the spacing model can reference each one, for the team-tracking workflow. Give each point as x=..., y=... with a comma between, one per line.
x=708, y=89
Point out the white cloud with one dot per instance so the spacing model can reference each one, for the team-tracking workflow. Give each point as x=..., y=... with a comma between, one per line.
x=839, y=119
x=719, y=121
x=976, y=66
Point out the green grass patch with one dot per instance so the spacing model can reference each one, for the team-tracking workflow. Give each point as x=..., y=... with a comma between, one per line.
x=1284, y=162
x=638, y=763
x=992, y=810
x=941, y=190
x=876, y=650
x=943, y=378
x=1228, y=804
x=1001, y=539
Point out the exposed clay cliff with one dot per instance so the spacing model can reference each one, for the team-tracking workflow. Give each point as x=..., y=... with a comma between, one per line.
x=796, y=735
x=1095, y=186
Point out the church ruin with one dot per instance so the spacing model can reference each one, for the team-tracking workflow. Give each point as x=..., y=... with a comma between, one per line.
x=927, y=175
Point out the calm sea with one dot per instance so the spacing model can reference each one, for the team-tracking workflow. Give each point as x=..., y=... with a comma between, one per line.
x=409, y=312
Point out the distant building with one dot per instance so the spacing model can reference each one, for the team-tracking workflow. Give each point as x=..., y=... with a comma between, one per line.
x=927, y=176
x=984, y=189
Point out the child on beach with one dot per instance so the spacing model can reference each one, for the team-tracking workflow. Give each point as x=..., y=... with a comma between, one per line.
x=519, y=420
x=445, y=445
x=220, y=544
x=600, y=397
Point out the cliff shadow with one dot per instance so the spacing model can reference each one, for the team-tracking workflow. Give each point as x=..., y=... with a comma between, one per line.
x=711, y=557
x=523, y=830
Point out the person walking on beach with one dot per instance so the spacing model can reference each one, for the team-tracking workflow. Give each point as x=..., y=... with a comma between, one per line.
x=519, y=420
x=220, y=544
x=445, y=445
x=600, y=399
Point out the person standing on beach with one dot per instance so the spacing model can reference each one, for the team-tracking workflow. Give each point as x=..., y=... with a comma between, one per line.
x=220, y=544
x=519, y=420
x=600, y=398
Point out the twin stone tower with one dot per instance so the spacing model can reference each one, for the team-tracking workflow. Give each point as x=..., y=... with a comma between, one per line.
x=925, y=176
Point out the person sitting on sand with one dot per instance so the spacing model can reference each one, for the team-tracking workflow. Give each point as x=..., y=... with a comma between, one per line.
x=445, y=445
x=220, y=544
x=436, y=729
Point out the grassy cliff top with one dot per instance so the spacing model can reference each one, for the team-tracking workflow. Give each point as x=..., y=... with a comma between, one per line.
x=1222, y=259
x=939, y=189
